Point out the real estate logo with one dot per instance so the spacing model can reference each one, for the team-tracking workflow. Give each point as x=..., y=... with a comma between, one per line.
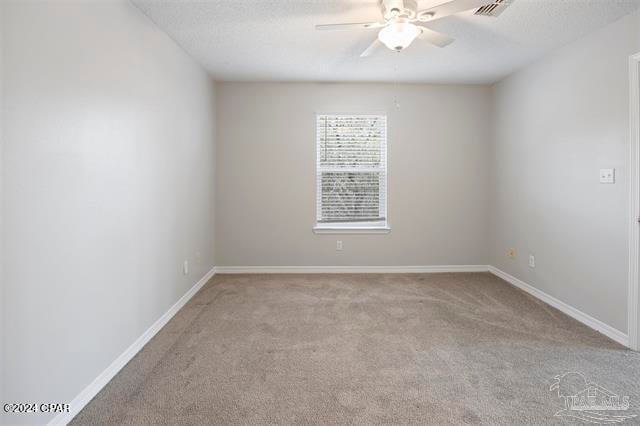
x=589, y=402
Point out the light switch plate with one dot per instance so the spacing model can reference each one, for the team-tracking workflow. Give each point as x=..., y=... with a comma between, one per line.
x=607, y=175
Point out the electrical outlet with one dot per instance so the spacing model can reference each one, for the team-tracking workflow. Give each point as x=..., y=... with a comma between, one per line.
x=607, y=175
x=185, y=267
x=198, y=258
x=511, y=253
x=532, y=261
x=339, y=245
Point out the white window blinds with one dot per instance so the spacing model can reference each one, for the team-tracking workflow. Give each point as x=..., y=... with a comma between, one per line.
x=351, y=172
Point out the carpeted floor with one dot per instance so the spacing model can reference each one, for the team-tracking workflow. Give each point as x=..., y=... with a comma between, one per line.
x=328, y=349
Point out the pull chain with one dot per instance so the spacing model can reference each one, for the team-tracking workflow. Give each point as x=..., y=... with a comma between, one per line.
x=396, y=103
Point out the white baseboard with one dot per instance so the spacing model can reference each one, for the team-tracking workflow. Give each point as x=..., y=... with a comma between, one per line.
x=587, y=320
x=92, y=390
x=348, y=269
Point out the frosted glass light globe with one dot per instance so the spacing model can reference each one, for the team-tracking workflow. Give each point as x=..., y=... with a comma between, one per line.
x=398, y=35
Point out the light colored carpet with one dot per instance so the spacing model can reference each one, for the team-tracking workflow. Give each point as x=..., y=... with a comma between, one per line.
x=336, y=349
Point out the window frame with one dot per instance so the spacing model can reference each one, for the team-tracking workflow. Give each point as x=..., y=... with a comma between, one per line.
x=381, y=227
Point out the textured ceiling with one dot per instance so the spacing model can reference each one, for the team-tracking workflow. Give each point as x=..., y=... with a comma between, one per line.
x=263, y=40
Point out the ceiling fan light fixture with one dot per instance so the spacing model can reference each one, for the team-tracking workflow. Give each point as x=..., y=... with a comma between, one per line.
x=398, y=35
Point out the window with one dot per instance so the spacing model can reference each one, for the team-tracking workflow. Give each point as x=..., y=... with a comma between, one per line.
x=351, y=173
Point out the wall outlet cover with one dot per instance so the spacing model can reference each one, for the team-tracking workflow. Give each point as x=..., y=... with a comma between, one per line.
x=607, y=175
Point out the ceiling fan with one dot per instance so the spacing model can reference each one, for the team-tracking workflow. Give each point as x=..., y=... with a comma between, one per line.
x=403, y=22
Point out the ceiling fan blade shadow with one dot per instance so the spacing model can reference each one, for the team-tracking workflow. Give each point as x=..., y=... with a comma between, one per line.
x=434, y=37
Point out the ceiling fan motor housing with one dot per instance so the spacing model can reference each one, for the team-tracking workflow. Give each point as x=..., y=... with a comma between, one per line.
x=398, y=9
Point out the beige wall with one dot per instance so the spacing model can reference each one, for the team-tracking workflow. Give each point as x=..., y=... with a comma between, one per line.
x=438, y=174
x=557, y=123
x=108, y=187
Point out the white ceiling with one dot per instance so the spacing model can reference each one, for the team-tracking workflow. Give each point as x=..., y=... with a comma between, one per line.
x=264, y=40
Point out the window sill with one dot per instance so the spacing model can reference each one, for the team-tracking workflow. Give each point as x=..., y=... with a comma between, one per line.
x=352, y=230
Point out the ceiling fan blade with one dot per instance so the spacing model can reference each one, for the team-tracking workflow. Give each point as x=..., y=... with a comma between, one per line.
x=371, y=49
x=434, y=37
x=359, y=26
x=450, y=8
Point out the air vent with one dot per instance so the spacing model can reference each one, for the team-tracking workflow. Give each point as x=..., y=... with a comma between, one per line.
x=494, y=9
